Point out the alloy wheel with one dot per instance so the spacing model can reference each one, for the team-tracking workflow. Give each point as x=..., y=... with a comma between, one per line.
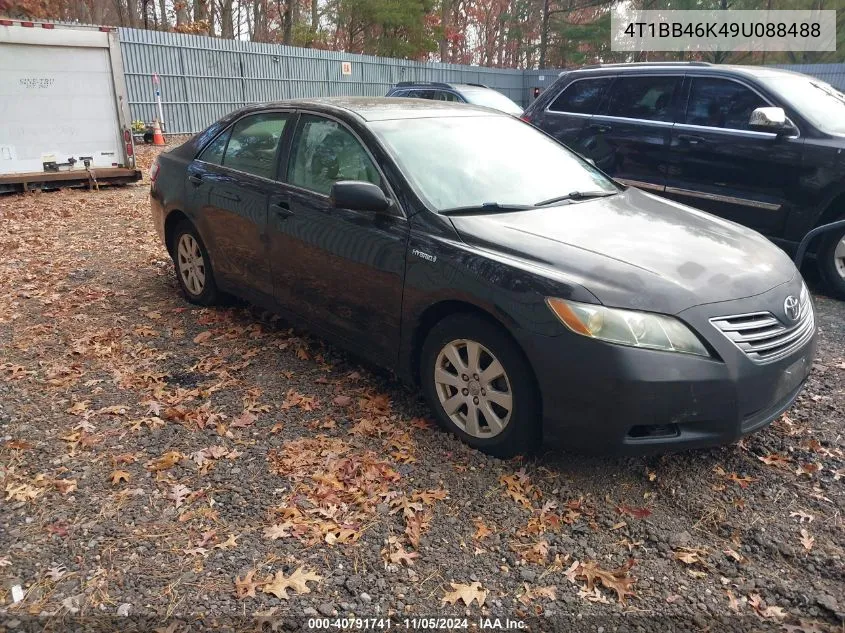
x=839, y=257
x=191, y=264
x=473, y=388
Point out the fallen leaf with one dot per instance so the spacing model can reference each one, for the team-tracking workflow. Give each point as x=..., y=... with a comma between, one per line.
x=691, y=555
x=65, y=486
x=244, y=420
x=807, y=469
x=481, y=530
x=277, y=531
x=297, y=581
x=592, y=595
x=245, y=587
x=202, y=337
x=616, y=580
x=56, y=572
x=166, y=461
x=119, y=476
x=229, y=543
x=806, y=540
x=342, y=401
x=802, y=516
x=178, y=493
x=775, y=459
x=466, y=594
x=637, y=513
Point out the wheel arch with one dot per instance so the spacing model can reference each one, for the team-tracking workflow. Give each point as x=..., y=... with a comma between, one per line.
x=174, y=219
x=834, y=210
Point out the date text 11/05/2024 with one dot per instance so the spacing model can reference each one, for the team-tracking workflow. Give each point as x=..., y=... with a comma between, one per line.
x=432, y=623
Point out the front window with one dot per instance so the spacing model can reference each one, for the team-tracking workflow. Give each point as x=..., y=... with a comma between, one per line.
x=324, y=152
x=721, y=103
x=490, y=99
x=819, y=102
x=455, y=162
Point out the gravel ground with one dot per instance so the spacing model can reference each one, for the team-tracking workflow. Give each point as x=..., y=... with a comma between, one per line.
x=164, y=464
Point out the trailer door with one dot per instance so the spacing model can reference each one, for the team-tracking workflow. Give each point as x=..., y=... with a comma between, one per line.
x=57, y=108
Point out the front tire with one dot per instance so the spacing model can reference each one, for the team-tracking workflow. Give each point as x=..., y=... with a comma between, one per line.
x=831, y=260
x=480, y=386
x=193, y=266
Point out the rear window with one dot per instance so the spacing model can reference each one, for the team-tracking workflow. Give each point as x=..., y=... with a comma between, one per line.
x=648, y=98
x=582, y=97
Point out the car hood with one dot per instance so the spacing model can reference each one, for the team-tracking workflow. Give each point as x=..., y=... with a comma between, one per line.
x=635, y=250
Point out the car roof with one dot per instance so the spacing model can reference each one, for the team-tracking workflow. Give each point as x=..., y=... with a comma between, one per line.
x=404, y=85
x=702, y=68
x=385, y=108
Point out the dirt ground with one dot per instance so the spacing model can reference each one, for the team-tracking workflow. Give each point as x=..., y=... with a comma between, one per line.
x=164, y=465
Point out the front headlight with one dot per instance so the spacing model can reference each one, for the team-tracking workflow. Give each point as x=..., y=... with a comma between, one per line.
x=627, y=327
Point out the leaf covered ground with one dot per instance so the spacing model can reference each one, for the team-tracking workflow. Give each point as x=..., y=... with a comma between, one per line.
x=171, y=462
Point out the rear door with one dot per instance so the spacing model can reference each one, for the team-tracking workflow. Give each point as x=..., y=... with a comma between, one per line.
x=629, y=139
x=719, y=164
x=232, y=180
x=342, y=270
x=566, y=117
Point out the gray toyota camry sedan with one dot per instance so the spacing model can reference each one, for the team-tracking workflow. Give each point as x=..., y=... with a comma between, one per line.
x=530, y=296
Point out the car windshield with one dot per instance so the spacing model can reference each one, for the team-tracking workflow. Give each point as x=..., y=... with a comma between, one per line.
x=467, y=161
x=489, y=98
x=822, y=104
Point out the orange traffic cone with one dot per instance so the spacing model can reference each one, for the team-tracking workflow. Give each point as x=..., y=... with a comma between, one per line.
x=158, y=137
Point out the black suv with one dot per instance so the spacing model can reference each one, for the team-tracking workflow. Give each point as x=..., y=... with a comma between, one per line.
x=476, y=94
x=760, y=146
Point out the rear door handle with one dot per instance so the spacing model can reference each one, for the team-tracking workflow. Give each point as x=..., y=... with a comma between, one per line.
x=691, y=139
x=230, y=196
x=601, y=129
x=281, y=209
x=195, y=178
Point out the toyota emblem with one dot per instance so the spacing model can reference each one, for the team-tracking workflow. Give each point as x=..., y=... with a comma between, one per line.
x=791, y=308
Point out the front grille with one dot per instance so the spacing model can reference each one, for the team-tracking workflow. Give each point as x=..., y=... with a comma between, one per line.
x=763, y=337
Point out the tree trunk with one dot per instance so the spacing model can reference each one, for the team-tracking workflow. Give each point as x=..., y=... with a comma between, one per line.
x=287, y=22
x=544, y=34
x=227, y=26
x=181, y=12
x=315, y=20
x=165, y=24
x=444, y=24
x=132, y=13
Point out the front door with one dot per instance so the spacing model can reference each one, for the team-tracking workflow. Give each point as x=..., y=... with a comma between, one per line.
x=629, y=139
x=232, y=182
x=342, y=270
x=719, y=164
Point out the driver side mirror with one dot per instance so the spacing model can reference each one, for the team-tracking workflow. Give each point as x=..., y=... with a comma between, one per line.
x=771, y=120
x=358, y=195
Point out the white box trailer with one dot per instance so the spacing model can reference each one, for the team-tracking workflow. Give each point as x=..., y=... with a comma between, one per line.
x=64, y=111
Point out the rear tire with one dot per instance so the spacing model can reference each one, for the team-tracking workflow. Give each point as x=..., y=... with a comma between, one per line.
x=831, y=261
x=480, y=386
x=193, y=266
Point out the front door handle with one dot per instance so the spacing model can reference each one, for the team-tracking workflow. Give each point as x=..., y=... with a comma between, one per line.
x=601, y=129
x=282, y=209
x=230, y=196
x=195, y=179
x=691, y=139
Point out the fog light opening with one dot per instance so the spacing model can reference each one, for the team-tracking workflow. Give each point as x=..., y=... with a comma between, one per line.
x=644, y=431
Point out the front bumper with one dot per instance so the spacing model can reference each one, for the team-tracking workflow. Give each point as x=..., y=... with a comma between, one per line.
x=604, y=398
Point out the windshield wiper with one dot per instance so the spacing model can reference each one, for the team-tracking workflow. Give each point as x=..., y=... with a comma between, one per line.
x=577, y=195
x=486, y=207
